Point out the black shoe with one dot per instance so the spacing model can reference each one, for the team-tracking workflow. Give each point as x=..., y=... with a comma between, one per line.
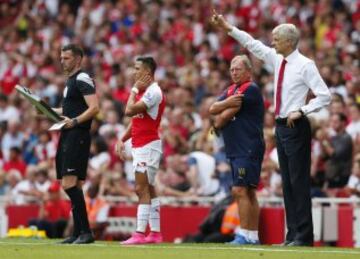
x=68, y=240
x=86, y=238
x=300, y=243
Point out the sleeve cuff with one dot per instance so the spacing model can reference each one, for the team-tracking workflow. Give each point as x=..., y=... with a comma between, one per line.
x=304, y=111
x=230, y=33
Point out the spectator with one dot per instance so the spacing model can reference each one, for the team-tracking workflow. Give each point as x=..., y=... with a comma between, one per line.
x=100, y=160
x=4, y=186
x=353, y=185
x=15, y=161
x=97, y=209
x=42, y=182
x=219, y=225
x=353, y=128
x=111, y=124
x=172, y=181
x=201, y=174
x=7, y=111
x=25, y=191
x=338, y=152
x=53, y=214
x=13, y=177
x=45, y=149
x=14, y=137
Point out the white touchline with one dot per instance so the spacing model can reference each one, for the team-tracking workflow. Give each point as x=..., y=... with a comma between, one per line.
x=255, y=249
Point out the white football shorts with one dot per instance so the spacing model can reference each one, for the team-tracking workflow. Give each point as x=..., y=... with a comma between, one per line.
x=147, y=159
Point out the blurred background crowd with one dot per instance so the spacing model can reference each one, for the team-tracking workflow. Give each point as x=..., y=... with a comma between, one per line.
x=193, y=62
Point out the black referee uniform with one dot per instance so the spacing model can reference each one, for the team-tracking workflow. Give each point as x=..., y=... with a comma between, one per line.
x=74, y=145
x=73, y=151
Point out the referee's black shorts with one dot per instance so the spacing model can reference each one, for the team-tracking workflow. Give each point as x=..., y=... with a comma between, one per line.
x=73, y=153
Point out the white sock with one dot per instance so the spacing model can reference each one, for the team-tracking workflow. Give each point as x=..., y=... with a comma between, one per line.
x=254, y=235
x=243, y=232
x=154, y=219
x=143, y=212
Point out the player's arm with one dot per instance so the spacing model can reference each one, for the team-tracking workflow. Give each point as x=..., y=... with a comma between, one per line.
x=133, y=107
x=120, y=146
x=127, y=134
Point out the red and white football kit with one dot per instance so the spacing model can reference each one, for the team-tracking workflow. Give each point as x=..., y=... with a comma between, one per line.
x=146, y=143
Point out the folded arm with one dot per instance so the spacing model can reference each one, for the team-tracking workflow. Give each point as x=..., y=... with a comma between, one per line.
x=232, y=101
x=225, y=116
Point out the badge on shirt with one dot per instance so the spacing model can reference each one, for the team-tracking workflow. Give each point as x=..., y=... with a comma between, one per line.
x=241, y=173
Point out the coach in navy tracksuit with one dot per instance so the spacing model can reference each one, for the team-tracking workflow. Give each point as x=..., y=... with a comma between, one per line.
x=239, y=114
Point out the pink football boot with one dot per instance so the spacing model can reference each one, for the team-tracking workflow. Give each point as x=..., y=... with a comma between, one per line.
x=154, y=238
x=136, y=238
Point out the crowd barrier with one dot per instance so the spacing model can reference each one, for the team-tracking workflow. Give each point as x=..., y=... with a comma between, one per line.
x=336, y=220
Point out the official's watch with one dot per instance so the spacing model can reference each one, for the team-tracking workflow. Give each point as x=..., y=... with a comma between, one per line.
x=75, y=122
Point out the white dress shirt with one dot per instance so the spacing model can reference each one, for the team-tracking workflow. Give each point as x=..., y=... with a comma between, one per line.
x=301, y=74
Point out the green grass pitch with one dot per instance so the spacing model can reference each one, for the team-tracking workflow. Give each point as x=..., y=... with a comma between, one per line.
x=48, y=249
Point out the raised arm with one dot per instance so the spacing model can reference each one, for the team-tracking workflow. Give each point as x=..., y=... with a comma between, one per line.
x=256, y=47
x=134, y=107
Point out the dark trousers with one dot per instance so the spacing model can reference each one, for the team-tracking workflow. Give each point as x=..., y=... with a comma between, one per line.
x=294, y=151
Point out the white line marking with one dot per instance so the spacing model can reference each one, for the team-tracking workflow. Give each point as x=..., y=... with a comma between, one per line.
x=184, y=247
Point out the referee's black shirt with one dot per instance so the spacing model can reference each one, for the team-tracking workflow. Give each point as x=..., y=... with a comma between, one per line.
x=73, y=104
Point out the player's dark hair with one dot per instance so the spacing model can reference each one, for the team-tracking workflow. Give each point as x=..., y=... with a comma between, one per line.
x=148, y=62
x=75, y=49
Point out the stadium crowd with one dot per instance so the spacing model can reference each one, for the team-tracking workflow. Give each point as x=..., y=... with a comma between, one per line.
x=193, y=61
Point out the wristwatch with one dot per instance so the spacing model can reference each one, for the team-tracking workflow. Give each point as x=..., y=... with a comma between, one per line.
x=75, y=122
x=135, y=90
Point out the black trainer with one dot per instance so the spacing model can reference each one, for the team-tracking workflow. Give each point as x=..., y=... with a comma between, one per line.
x=86, y=238
x=68, y=240
x=301, y=243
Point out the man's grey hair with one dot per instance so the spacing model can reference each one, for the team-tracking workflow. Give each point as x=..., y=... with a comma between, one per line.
x=288, y=31
x=244, y=59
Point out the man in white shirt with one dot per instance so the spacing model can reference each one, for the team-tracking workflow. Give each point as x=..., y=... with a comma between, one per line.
x=354, y=126
x=353, y=185
x=201, y=174
x=294, y=76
